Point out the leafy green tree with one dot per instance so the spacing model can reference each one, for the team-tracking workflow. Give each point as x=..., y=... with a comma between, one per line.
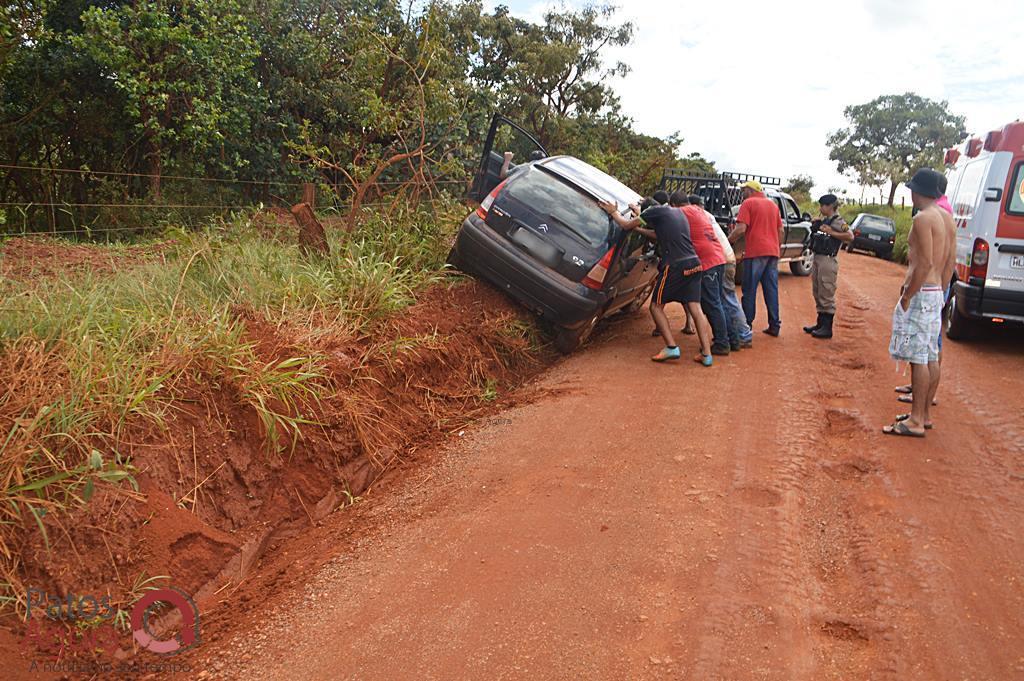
x=185, y=69
x=799, y=187
x=893, y=135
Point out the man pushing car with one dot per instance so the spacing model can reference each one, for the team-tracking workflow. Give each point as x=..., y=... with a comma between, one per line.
x=679, y=279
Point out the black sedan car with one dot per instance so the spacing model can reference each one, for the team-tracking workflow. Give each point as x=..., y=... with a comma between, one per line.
x=540, y=235
x=873, y=233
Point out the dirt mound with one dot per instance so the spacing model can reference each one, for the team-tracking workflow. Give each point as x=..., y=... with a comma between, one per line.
x=213, y=493
x=27, y=258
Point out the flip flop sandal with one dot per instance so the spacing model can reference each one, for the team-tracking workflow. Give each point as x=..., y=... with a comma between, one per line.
x=909, y=399
x=900, y=428
x=688, y=332
x=904, y=390
x=906, y=417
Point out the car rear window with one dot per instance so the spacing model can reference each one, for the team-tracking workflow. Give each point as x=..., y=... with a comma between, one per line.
x=561, y=206
x=875, y=223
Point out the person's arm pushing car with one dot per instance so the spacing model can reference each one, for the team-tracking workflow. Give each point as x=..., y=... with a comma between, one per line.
x=628, y=224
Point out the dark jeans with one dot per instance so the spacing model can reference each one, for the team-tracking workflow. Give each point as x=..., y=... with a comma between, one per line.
x=764, y=271
x=711, y=291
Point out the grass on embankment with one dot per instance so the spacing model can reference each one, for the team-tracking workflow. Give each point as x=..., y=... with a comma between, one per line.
x=88, y=353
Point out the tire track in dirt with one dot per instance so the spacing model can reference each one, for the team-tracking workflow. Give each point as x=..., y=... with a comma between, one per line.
x=855, y=608
x=940, y=473
x=744, y=522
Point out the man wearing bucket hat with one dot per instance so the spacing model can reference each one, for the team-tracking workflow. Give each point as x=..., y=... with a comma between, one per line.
x=760, y=222
x=917, y=319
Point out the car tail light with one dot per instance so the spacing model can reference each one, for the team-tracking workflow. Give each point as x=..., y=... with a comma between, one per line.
x=595, y=277
x=485, y=205
x=979, y=259
x=856, y=232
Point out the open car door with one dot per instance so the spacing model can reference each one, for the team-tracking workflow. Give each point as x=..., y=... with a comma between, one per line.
x=503, y=135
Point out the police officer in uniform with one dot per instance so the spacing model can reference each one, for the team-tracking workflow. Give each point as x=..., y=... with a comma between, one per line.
x=827, y=235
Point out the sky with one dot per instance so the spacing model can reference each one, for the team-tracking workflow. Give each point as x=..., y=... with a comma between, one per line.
x=758, y=86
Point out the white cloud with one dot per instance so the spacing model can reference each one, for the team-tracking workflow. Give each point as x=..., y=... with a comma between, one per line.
x=758, y=86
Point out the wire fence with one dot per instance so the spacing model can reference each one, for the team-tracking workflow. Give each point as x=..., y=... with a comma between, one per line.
x=131, y=203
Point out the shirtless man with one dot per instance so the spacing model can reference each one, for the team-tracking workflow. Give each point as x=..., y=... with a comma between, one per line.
x=917, y=319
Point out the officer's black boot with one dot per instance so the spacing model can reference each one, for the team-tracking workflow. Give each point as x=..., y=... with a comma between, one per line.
x=825, y=330
x=817, y=325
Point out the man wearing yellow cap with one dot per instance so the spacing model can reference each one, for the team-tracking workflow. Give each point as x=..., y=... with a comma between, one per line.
x=760, y=222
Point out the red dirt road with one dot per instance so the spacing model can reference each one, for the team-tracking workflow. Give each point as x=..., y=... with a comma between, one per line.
x=748, y=521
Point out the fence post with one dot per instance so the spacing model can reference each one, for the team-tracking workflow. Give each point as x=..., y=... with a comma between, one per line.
x=309, y=194
x=903, y=202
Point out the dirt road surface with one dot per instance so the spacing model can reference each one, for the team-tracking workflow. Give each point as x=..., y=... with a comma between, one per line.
x=634, y=521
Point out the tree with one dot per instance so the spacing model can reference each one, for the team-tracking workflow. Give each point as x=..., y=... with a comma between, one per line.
x=185, y=69
x=547, y=75
x=799, y=187
x=893, y=135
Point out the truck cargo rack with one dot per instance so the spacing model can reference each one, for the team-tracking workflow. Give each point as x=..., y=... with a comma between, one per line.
x=720, y=191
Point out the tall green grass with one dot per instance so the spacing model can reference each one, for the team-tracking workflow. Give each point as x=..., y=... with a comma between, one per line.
x=115, y=346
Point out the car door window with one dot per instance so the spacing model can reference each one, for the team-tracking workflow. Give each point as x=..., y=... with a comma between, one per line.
x=503, y=135
x=969, y=190
x=790, y=211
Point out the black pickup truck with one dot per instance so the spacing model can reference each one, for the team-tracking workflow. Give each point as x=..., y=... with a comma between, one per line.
x=721, y=194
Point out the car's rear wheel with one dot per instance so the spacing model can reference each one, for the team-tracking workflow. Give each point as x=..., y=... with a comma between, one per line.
x=958, y=327
x=454, y=261
x=801, y=267
x=568, y=341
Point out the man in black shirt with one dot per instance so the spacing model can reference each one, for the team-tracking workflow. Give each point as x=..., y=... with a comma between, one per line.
x=680, y=275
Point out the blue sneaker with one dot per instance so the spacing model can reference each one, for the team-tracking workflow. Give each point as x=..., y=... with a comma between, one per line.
x=666, y=354
x=706, y=360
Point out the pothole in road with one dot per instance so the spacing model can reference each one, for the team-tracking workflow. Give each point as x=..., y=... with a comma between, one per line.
x=843, y=421
x=758, y=496
x=845, y=631
x=851, y=469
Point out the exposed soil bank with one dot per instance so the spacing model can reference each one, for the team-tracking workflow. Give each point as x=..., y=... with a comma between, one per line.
x=213, y=495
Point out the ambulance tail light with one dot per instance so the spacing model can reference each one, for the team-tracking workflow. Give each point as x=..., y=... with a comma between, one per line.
x=973, y=147
x=485, y=205
x=979, y=259
x=595, y=277
x=952, y=156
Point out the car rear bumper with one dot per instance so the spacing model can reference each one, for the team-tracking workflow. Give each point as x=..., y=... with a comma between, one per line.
x=862, y=243
x=989, y=302
x=563, y=302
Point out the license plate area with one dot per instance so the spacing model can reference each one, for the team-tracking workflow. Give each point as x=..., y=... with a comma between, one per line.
x=542, y=250
x=875, y=237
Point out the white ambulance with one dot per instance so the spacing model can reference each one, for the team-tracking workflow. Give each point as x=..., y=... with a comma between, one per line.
x=986, y=189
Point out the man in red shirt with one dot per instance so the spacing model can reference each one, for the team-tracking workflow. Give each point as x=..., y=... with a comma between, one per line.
x=712, y=262
x=760, y=221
